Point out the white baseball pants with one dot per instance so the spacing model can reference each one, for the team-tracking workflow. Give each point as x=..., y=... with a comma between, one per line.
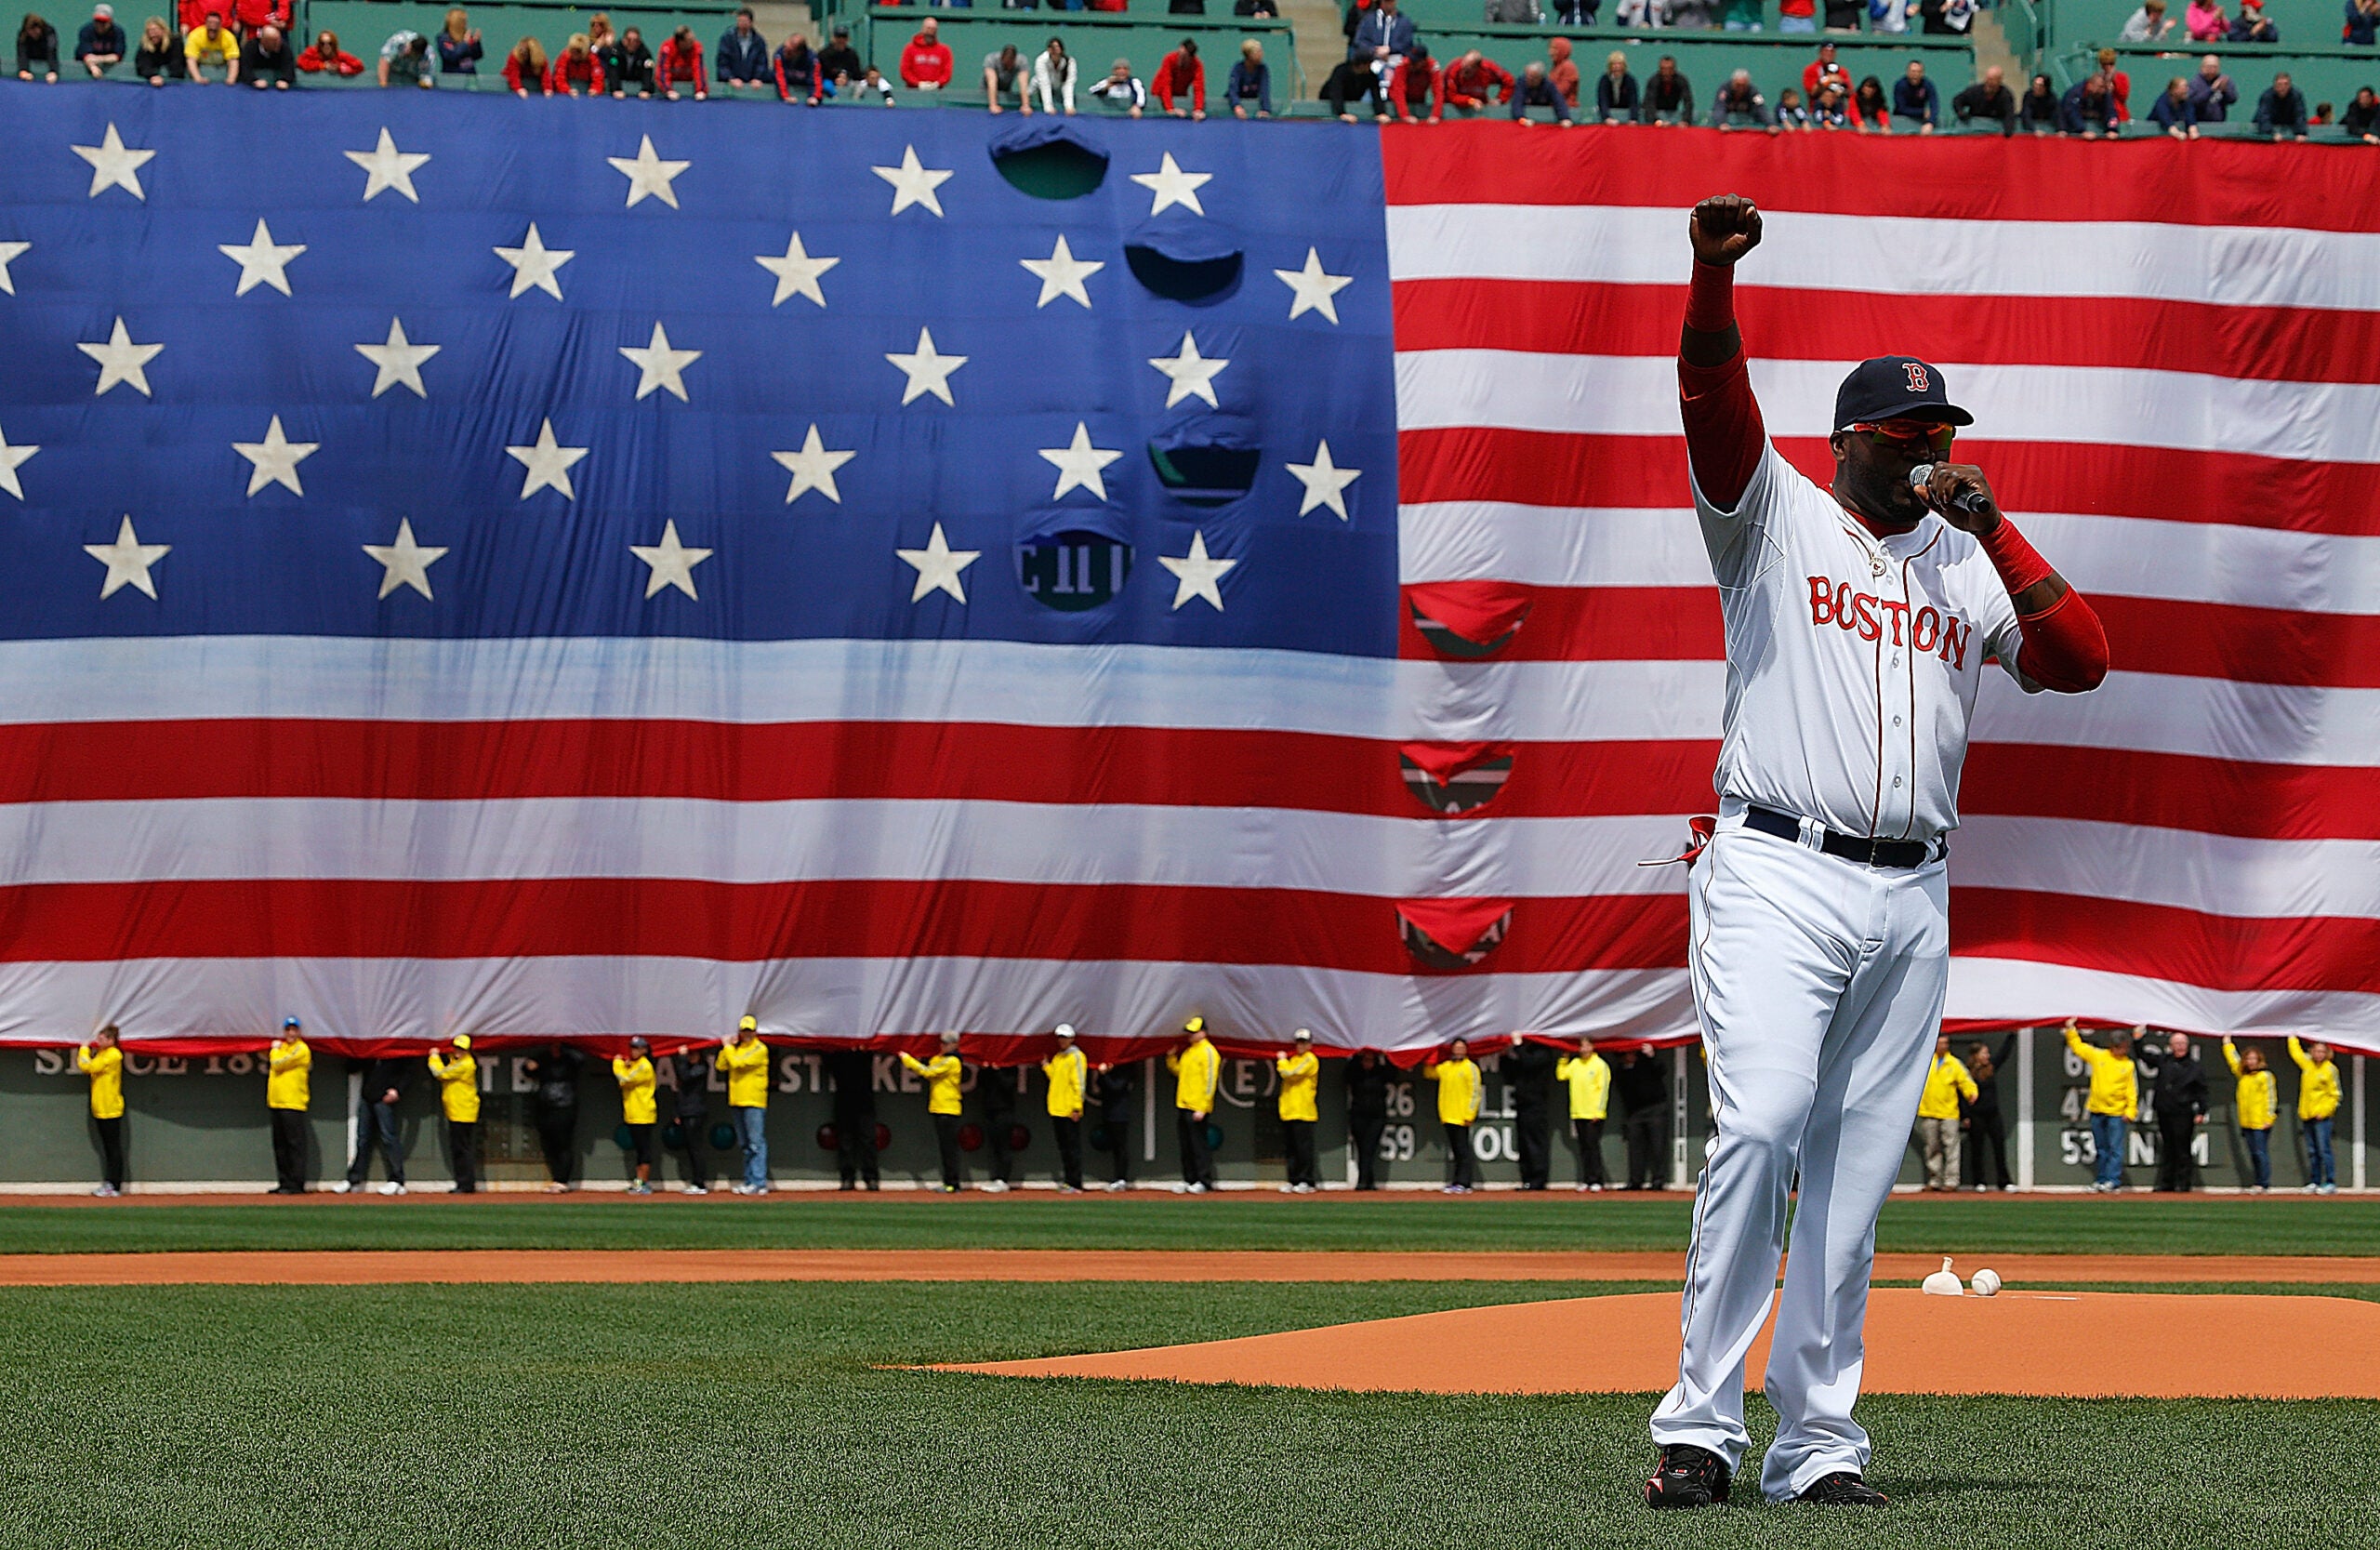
x=1820, y=986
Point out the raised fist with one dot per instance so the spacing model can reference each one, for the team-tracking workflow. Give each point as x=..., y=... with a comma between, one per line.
x=1724, y=228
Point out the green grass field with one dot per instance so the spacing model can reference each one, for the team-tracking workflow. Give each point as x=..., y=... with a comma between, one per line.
x=736, y=1416
x=2203, y=1225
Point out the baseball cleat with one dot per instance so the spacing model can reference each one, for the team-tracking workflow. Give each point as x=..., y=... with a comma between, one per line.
x=1844, y=1489
x=1689, y=1477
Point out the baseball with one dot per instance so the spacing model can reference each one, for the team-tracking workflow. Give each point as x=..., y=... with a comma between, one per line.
x=1986, y=1284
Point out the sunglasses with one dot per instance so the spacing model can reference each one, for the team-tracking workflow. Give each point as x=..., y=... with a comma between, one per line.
x=1909, y=435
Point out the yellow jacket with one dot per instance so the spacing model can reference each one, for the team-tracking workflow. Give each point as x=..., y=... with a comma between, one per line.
x=2318, y=1086
x=1198, y=1068
x=1946, y=1083
x=1458, y=1090
x=942, y=1074
x=2115, y=1087
x=288, y=1063
x=2255, y=1097
x=217, y=47
x=458, y=1085
x=1066, y=1070
x=636, y=1090
x=1590, y=1079
x=1300, y=1075
x=744, y=1064
x=105, y=1067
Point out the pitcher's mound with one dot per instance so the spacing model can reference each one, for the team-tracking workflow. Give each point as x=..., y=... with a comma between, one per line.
x=2082, y=1344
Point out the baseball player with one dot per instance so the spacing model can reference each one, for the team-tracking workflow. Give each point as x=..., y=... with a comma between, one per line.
x=1858, y=621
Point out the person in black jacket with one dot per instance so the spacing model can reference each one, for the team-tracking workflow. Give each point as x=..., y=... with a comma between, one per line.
x=2177, y=1096
x=1113, y=1087
x=266, y=61
x=37, y=48
x=1644, y=1098
x=995, y=1091
x=626, y=63
x=1528, y=1069
x=555, y=1070
x=838, y=63
x=1369, y=1078
x=375, y=1125
x=852, y=1070
x=1987, y=1133
x=1987, y=102
x=691, y=1068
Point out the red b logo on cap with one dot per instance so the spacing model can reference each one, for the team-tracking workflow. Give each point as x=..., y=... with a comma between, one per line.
x=1916, y=376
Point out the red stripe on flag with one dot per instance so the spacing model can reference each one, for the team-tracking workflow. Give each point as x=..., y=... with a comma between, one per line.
x=1603, y=624
x=2220, y=952
x=2172, y=790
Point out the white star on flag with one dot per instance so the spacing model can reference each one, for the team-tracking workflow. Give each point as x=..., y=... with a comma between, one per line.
x=548, y=463
x=1311, y=289
x=127, y=561
x=113, y=166
x=662, y=366
x=12, y=458
x=1190, y=374
x=1196, y=574
x=261, y=261
x=1324, y=482
x=672, y=562
x=1170, y=185
x=1062, y=273
x=534, y=263
x=797, y=273
x=813, y=469
x=387, y=168
x=405, y=563
x=9, y=253
x=648, y=174
x=399, y=359
x=928, y=372
x=276, y=460
x=1079, y=464
x=938, y=565
x=913, y=183
x=122, y=360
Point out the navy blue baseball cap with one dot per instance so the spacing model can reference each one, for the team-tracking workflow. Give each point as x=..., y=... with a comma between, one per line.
x=1895, y=387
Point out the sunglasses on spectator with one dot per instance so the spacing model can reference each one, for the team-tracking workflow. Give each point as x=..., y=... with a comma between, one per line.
x=1909, y=435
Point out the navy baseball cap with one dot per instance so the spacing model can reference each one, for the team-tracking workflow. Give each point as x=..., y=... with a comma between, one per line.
x=1895, y=387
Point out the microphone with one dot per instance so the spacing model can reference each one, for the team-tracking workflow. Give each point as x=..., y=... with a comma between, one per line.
x=1975, y=503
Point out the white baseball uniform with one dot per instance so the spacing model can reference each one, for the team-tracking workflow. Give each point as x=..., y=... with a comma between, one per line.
x=1853, y=666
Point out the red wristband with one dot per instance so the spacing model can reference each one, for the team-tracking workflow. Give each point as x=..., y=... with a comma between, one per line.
x=1710, y=298
x=2019, y=565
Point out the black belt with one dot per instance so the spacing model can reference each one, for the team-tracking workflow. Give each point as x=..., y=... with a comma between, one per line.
x=1903, y=854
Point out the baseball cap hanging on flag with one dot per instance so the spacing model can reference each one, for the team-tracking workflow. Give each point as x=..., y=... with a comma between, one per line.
x=1895, y=387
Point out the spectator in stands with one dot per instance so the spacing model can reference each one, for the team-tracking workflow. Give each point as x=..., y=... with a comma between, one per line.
x=639, y=1112
x=1946, y=1081
x=102, y=45
x=942, y=1075
x=1536, y=90
x=376, y=1096
x=871, y=85
x=2251, y=25
x=524, y=68
x=575, y=72
x=266, y=61
x=1196, y=1066
x=459, y=49
x=1833, y=107
x=2113, y=1101
x=1186, y=7
x=598, y=33
x=1459, y=1093
x=1300, y=1074
x=2362, y=119
x=1255, y=7
x=1740, y=102
x=796, y=69
x=1825, y=68
x=323, y=55
x=1668, y=97
x=102, y=1062
x=1383, y=34
x=1562, y=70
x=1180, y=72
x=1121, y=89
x=2172, y=112
x=1348, y=80
x=1947, y=18
x=249, y=17
x=2119, y=84
x=2211, y=91
x=1843, y=15
x=1512, y=13
x=159, y=55
x=691, y=1090
x=1791, y=112
x=458, y=1075
x=2206, y=22
x=2321, y=115
x=1796, y=16
x=288, y=1067
x=2318, y=1107
x=1250, y=83
x=1988, y=99
x=2178, y=1089
x=1054, y=77
x=1471, y=84
x=680, y=63
x=1068, y=1074
x=37, y=48
x=1006, y=74
x=1617, y=99
x=743, y=1059
x=2148, y=24
x=1115, y=1086
x=1368, y=1079
x=1871, y=113
x=2039, y=109
x=627, y=64
x=839, y=62
x=1985, y=1133
x=554, y=1106
x=1915, y=98
x=742, y=58
x=2089, y=109
x=2281, y=112
x=925, y=58
x=405, y=60
x=2363, y=23
x=2254, y=1102
x=1587, y=1074
x=1411, y=84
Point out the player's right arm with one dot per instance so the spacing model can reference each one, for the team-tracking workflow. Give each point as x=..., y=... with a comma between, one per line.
x=1723, y=435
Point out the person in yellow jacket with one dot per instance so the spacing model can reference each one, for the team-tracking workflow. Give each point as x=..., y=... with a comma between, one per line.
x=457, y=1071
x=1458, y=1094
x=944, y=1074
x=1197, y=1067
x=744, y=1061
x=103, y=1062
x=1067, y=1074
x=1947, y=1080
x=1300, y=1074
x=2255, y=1098
x=2113, y=1102
x=288, y=1067
x=638, y=1111
x=2318, y=1106
x=212, y=47
x=1588, y=1076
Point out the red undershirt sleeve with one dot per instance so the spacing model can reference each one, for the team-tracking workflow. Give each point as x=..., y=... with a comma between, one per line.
x=2066, y=646
x=1723, y=434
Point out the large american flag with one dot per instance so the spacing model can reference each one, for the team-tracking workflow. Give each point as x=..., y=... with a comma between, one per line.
x=534, y=569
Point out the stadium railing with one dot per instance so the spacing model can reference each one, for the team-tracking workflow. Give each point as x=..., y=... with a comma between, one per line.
x=364, y=25
x=2329, y=75
x=1096, y=39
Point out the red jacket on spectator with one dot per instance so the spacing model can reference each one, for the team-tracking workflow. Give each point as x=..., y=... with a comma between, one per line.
x=1817, y=74
x=677, y=66
x=1465, y=86
x=345, y=64
x=1410, y=84
x=583, y=73
x=1103, y=4
x=2120, y=87
x=535, y=84
x=194, y=13
x=1562, y=72
x=925, y=63
x=1176, y=75
x=249, y=15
